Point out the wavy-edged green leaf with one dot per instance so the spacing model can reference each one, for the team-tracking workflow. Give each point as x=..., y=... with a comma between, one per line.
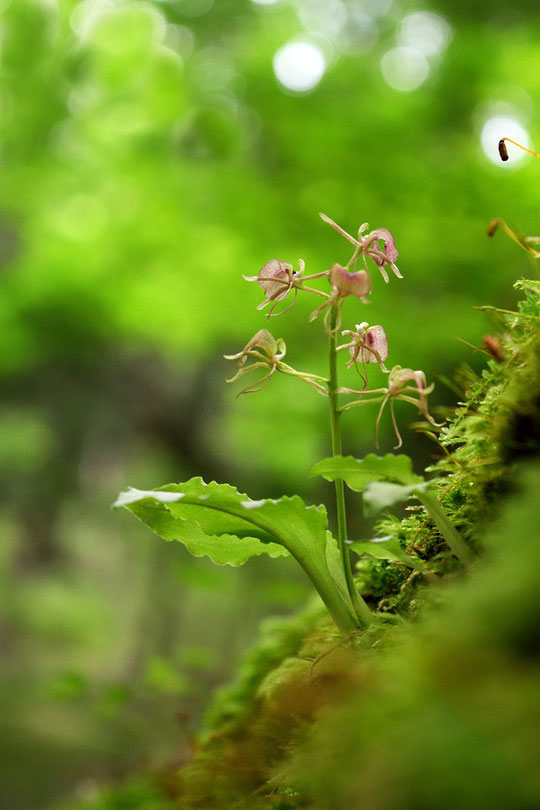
x=358, y=473
x=207, y=518
x=388, y=548
x=229, y=527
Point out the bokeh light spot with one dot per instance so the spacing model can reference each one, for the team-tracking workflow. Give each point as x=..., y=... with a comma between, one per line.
x=425, y=32
x=404, y=68
x=504, y=126
x=325, y=17
x=299, y=66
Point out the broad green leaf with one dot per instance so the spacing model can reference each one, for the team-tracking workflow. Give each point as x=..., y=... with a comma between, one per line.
x=358, y=473
x=388, y=548
x=380, y=495
x=207, y=518
x=229, y=527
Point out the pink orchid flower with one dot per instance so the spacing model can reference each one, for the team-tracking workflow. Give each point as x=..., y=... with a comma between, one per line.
x=368, y=246
x=399, y=387
x=368, y=344
x=268, y=353
x=277, y=279
x=343, y=284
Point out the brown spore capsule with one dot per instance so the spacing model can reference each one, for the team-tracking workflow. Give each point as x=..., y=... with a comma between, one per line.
x=493, y=345
x=493, y=227
x=503, y=152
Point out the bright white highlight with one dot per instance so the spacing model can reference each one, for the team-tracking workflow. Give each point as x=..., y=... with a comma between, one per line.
x=425, y=32
x=404, y=68
x=503, y=126
x=299, y=66
x=251, y=504
x=325, y=17
x=133, y=495
x=264, y=2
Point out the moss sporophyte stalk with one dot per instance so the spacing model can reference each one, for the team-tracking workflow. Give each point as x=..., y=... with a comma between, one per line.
x=229, y=527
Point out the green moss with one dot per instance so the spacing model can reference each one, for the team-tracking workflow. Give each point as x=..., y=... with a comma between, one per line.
x=449, y=713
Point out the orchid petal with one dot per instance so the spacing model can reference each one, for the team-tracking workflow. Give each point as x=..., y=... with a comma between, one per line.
x=345, y=283
x=389, y=250
x=340, y=230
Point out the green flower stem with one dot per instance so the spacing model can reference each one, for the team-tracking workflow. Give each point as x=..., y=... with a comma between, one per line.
x=353, y=258
x=312, y=290
x=358, y=402
x=286, y=369
x=453, y=539
x=362, y=610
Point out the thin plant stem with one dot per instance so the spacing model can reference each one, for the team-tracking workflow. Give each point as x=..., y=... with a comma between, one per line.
x=305, y=375
x=363, y=612
x=508, y=312
x=314, y=275
x=358, y=402
x=303, y=287
x=354, y=257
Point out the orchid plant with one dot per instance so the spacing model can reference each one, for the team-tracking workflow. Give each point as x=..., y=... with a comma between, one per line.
x=229, y=527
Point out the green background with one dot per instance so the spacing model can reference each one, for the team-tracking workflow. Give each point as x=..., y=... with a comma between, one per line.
x=149, y=157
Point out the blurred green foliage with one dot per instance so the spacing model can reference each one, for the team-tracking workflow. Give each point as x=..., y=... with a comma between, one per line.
x=149, y=158
x=449, y=711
